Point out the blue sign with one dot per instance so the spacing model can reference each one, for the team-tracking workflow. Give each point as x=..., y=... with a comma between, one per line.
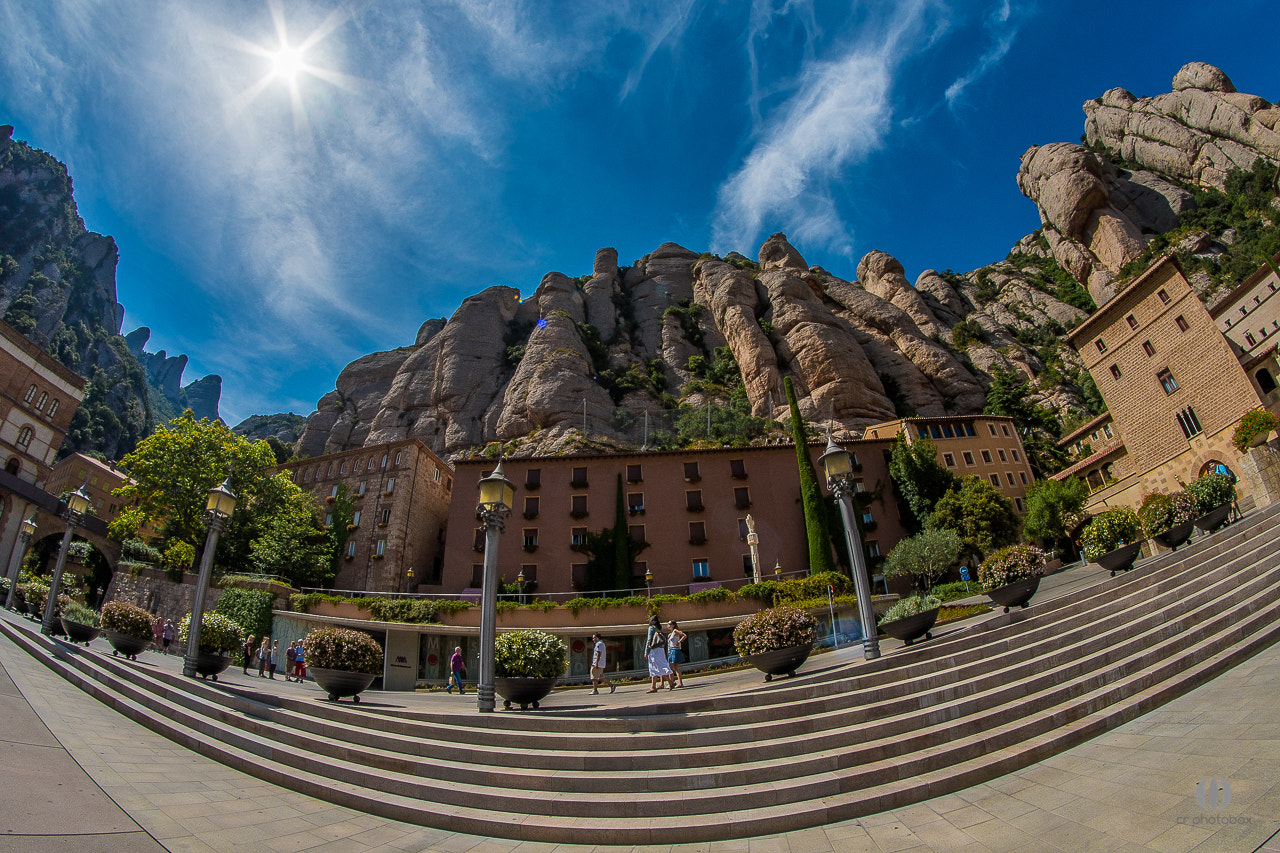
x=964, y=573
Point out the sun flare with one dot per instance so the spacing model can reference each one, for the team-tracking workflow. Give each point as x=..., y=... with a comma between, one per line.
x=286, y=64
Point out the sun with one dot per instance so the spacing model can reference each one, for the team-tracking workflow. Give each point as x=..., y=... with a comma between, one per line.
x=287, y=63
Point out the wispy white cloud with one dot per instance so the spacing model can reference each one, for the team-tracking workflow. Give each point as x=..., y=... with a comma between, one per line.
x=1004, y=30
x=668, y=31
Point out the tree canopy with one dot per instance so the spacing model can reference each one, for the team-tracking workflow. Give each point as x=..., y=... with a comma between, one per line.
x=983, y=517
x=927, y=556
x=1052, y=507
x=918, y=478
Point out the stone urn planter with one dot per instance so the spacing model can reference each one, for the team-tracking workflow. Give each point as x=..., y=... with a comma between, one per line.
x=209, y=665
x=911, y=628
x=124, y=644
x=780, y=661
x=1214, y=518
x=1175, y=536
x=78, y=633
x=339, y=683
x=1017, y=594
x=1121, y=559
x=523, y=691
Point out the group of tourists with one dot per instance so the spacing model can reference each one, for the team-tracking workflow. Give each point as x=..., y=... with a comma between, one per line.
x=664, y=651
x=267, y=655
x=163, y=634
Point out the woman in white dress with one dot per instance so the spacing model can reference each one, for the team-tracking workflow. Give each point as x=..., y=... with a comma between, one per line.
x=656, y=644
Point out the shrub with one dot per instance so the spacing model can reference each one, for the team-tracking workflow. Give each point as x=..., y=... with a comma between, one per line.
x=127, y=619
x=1253, y=424
x=1156, y=514
x=74, y=611
x=812, y=586
x=1212, y=491
x=529, y=654
x=909, y=606
x=953, y=591
x=219, y=634
x=248, y=608
x=409, y=610
x=449, y=606
x=1110, y=530
x=764, y=592
x=344, y=649
x=775, y=628
x=1011, y=564
x=37, y=593
x=707, y=596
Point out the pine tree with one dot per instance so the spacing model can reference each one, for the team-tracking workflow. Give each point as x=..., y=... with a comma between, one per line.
x=815, y=513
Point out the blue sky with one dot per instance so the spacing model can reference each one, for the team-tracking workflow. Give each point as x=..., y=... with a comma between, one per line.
x=276, y=227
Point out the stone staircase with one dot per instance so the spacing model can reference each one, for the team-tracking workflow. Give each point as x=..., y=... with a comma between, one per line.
x=845, y=740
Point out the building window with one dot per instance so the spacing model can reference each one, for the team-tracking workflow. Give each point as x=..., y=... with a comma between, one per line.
x=923, y=432
x=477, y=540
x=578, y=575
x=1004, y=428
x=1016, y=458
x=936, y=432
x=44, y=398
x=995, y=480
x=748, y=568
x=992, y=427
x=1266, y=381
x=634, y=474
x=986, y=457
x=693, y=501
x=1250, y=339
x=1106, y=430
x=1003, y=458
x=24, y=437
x=351, y=549
x=742, y=498
x=949, y=460
x=635, y=502
x=1189, y=422
x=385, y=518
x=873, y=549
x=577, y=537
x=1018, y=503
x=1182, y=323
x=968, y=430
x=1102, y=347
x=399, y=456
x=533, y=478
x=477, y=575
x=1243, y=311
x=329, y=472
x=530, y=507
x=1132, y=321
x=328, y=519
x=30, y=395
x=384, y=461
x=947, y=431
x=342, y=469
x=579, y=478
x=697, y=532
x=691, y=472
x=362, y=488
x=333, y=492
x=356, y=465
x=968, y=458
x=701, y=570
x=743, y=532
x=53, y=408
x=530, y=572
x=738, y=469
x=1167, y=382
x=578, y=506
x=391, y=485
x=1148, y=348
x=637, y=533
x=1164, y=296
x=355, y=518
x=530, y=538
x=1008, y=475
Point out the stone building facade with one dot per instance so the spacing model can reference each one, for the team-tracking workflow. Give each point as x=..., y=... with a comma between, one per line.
x=689, y=506
x=986, y=446
x=402, y=493
x=1249, y=317
x=1174, y=384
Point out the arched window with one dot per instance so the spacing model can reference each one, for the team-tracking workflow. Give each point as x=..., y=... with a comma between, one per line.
x=24, y=437
x=44, y=398
x=13, y=466
x=1266, y=381
x=399, y=456
x=342, y=469
x=53, y=408
x=31, y=394
x=329, y=471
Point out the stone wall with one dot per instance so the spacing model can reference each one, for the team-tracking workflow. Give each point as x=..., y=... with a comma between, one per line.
x=1260, y=469
x=152, y=590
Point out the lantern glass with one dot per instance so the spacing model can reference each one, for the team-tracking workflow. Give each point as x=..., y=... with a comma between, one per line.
x=29, y=526
x=78, y=501
x=496, y=492
x=222, y=500
x=836, y=462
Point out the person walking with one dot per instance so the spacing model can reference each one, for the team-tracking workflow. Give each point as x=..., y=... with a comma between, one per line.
x=675, y=656
x=248, y=652
x=275, y=656
x=166, y=634
x=290, y=660
x=300, y=664
x=457, y=670
x=157, y=633
x=264, y=655
x=656, y=644
x=597, y=667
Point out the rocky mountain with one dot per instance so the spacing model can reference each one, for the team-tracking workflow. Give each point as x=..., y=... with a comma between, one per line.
x=58, y=287
x=284, y=427
x=583, y=361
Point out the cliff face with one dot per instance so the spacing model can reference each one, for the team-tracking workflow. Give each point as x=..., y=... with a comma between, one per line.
x=58, y=287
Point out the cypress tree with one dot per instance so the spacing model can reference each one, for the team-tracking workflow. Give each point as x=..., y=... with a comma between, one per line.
x=622, y=556
x=815, y=512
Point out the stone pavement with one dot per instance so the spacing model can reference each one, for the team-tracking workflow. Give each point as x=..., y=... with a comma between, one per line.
x=76, y=775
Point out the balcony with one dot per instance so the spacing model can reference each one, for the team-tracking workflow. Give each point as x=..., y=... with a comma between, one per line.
x=697, y=540
x=578, y=513
x=578, y=484
x=695, y=507
x=636, y=510
x=530, y=546
x=531, y=514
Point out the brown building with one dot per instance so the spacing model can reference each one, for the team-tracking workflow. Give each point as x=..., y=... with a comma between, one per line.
x=690, y=506
x=986, y=446
x=1174, y=385
x=99, y=480
x=401, y=492
x=1249, y=317
x=1094, y=447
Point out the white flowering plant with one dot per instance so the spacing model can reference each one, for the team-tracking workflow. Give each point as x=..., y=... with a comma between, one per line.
x=1109, y=530
x=1011, y=564
x=343, y=649
x=775, y=628
x=529, y=654
x=219, y=635
x=909, y=606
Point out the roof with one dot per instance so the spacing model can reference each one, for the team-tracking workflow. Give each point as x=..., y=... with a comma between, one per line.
x=690, y=451
x=1096, y=457
x=1083, y=428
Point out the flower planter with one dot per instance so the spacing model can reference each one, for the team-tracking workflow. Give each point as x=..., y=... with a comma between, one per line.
x=1017, y=594
x=780, y=661
x=339, y=683
x=79, y=633
x=1214, y=518
x=523, y=691
x=911, y=628
x=1121, y=559
x=1260, y=439
x=1175, y=536
x=209, y=664
x=124, y=644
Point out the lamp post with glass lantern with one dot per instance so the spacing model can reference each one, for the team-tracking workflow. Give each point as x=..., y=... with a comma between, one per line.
x=25, y=531
x=777, y=568
x=648, y=584
x=497, y=497
x=839, y=468
x=77, y=506
x=217, y=514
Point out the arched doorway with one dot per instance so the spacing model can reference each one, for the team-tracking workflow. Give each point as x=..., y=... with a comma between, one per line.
x=1266, y=382
x=13, y=466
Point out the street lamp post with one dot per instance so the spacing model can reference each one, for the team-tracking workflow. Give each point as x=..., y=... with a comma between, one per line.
x=777, y=568
x=497, y=496
x=753, y=542
x=839, y=468
x=648, y=584
x=77, y=506
x=25, y=531
x=217, y=515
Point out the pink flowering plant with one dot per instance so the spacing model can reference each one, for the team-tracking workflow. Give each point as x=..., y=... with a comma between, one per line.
x=775, y=628
x=127, y=619
x=344, y=649
x=1011, y=564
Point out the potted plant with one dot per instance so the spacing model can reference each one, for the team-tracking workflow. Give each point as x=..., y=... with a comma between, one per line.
x=1214, y=494
x=1168, y=519
x=1011, y=576
x=81, y=623
x=1113, y=539
x=911, y=618
x=526, y=664
x=128, y=628
x=777, y=640
x=1254, y=428
x=344, y=662
x=219, y=637
x=37, y=593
